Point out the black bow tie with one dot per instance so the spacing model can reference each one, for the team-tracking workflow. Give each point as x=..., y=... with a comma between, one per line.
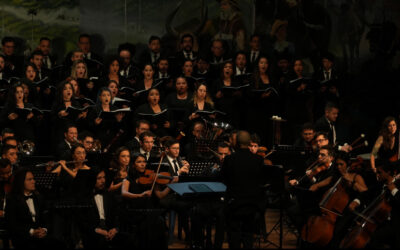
x=28, y=197
x=98, y=191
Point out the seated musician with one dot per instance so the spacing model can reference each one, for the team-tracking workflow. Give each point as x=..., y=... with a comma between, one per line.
x=100, y=223
x=387, y=234
x=119, y=168
x=327, y=123
x=137, y=196
x=79, y=157
x=63, y=150
x=11, y=153
x=5, y=186
x=146, y=145
x=26, y=214
x=317, y=180
x=141, y=126
x=307, y=136
x=6, y=132
x=176, y=167
x=387, y=145
x=356, y=189
x=87, y=140
x=197, y=133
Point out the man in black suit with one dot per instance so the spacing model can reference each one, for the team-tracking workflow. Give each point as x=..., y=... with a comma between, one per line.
x=134, y=144
x=153, y=53
x=310, y=188
x=13, y=62
x=254, y=52
x=186, y=53
x=37, y=60
x=327, y=123
x=128, y=69
x=100, y=223
x=243, y=192
x=49, y=61
x=218, y=57
x=26, y=214
x=63, y=150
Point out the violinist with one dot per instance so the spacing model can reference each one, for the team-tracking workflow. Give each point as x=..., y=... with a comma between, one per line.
x=176, y=167
x=388, y=234
x=138, y=199
x=386, y=147
x=310, y=188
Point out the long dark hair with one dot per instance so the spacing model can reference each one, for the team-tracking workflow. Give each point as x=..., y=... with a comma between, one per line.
x=11, y=102
x=101, y=90
x=114, y=163
x=385, y=133
x=18, y=185
x=59, y=100
x=257, y=79
x=133, y=173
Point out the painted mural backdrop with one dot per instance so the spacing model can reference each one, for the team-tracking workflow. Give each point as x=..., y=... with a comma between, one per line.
x=351, y=29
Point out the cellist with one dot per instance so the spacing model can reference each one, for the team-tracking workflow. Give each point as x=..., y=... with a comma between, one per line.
x=388, y=233
x=356, y=189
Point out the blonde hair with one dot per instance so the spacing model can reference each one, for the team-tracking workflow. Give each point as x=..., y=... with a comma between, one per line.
x=73, y=69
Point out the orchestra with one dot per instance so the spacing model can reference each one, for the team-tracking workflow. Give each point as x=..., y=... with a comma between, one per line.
x=93, y=155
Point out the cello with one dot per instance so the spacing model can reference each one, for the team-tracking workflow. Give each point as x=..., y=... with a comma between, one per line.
x=377, y=212
x=319, y=229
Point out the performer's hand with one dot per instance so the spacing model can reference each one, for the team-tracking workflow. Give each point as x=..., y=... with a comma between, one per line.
x=146, y=193
x=12, y=116
x=314, y=187
x=62, y=113
x=353, y=205
x=29, y=116
x=111, y=233
x=101, y=232
x=98, y=120
x=293, y=182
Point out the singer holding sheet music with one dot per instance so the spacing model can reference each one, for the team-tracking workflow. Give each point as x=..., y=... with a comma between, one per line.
x=263, y=100
x=102, y=120
x=16, y=115
x=157, y=114
x=201, y=102
x=59, y=115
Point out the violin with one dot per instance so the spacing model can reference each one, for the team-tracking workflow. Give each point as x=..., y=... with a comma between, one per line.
x=262, y=151
x=149, y=176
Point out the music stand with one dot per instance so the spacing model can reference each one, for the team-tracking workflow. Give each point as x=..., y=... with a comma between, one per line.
x=44, y=179
x=274, y=180
x=189, y=189
x=199, y=168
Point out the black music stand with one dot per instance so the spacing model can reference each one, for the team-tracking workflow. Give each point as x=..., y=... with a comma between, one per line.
x=274, y=180
x=204, y=145
x=199, y=168
x=44, y=179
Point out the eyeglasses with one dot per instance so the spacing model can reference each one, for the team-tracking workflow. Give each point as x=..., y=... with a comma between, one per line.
x=323, y=155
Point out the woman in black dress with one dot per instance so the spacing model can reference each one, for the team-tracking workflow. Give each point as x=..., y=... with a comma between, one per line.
x=139, y=199
x=157, y=114
x=119, y=168
x=59, y=115
x=105, y=126
x=22, y=123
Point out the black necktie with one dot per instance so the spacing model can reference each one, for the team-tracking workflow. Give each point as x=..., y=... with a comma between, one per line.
x=175, y=166
x=326, y=75
x=253, y=56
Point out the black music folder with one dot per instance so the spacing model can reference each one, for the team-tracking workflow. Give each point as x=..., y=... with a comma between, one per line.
x=110, y=115
x=73, y=112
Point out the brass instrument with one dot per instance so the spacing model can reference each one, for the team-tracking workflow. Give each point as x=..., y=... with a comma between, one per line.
x=26, y=148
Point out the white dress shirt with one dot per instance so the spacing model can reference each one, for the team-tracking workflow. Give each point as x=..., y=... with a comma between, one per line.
x=98, y=198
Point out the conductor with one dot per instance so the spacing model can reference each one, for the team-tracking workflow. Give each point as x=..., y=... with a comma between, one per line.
x=241, y=173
